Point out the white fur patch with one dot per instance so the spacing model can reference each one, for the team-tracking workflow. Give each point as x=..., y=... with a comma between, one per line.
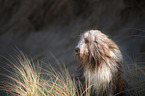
x=83, y=49
x=99, y=78
x=116, y=54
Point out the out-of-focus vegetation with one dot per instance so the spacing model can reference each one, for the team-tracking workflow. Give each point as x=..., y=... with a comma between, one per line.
x=40, y=26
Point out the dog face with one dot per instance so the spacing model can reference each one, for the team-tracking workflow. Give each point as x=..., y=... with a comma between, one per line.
x=95, y=48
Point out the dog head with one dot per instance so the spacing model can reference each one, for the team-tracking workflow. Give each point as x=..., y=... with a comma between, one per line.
x=96, y=48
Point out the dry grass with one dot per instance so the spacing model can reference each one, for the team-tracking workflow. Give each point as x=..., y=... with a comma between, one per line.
x=135, y=77
x=31, y=79
x=28, y=80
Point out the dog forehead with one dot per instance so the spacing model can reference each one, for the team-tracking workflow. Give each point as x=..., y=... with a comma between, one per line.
x=87, y=34
x=95, y=32
x=92, y=33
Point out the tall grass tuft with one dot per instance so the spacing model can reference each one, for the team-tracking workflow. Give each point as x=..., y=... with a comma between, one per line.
x=136, y=78
x=27, y=79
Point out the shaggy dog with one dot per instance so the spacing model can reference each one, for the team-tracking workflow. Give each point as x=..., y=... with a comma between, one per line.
x=100, y=64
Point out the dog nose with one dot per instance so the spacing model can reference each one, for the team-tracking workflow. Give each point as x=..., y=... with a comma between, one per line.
x=77, y=50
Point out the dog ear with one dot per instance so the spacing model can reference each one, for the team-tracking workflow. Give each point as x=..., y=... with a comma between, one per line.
x=95, y=57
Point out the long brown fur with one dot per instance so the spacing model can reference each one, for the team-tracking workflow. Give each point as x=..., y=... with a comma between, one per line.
x=100, y=62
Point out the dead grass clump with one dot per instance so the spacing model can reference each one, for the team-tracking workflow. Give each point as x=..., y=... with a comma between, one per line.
x=28, y=80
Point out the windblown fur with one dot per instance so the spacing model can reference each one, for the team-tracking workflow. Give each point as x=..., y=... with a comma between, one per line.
x=100, y=63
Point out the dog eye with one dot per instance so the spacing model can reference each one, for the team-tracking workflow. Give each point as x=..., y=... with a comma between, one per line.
x=86, y=41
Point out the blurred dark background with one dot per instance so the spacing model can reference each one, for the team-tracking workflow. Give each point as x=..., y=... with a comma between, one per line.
x=41, y=27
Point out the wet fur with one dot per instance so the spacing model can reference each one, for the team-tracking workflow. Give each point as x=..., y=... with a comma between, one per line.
x=100, y=64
